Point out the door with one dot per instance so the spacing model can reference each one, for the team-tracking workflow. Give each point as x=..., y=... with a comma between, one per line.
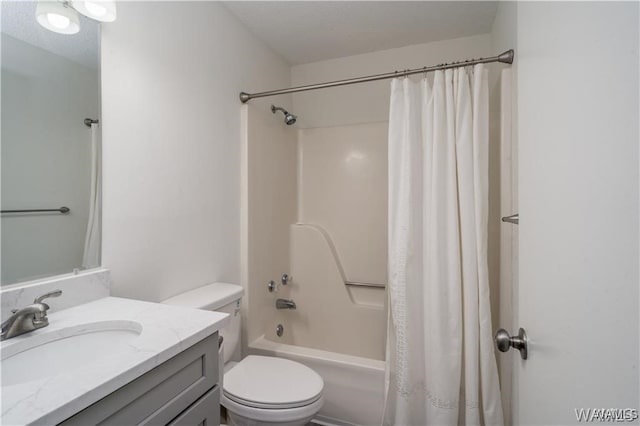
x=577, y=72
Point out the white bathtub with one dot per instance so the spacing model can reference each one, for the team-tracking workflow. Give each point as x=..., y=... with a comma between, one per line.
x=353, y=386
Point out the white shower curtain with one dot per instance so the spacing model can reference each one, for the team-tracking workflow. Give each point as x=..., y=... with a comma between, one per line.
x=91, y=256
x=441, y=368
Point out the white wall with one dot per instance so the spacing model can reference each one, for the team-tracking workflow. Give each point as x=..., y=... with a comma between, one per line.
x=171, y=136
x=578, y=158
x=46, y=151
x=369, y=102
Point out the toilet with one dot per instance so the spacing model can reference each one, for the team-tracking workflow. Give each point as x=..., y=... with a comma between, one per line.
x=256, y=390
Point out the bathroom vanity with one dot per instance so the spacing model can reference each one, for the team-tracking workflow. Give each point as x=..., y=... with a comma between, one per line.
x=181, y=391
x=115, y=361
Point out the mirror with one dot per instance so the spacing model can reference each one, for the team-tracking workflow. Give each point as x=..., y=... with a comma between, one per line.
x=50, y=158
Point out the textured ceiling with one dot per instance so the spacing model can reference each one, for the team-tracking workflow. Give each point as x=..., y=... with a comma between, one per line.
x=309, y=31
x=19, y=21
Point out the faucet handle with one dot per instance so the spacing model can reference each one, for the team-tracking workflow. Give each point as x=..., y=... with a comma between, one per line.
x=54, y=293
x=285, y=278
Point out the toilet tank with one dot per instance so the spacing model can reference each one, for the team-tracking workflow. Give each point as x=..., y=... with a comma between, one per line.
x=219, y=297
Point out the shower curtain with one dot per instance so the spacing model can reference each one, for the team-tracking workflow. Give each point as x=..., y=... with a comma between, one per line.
x=91, y=256
x=441, y=368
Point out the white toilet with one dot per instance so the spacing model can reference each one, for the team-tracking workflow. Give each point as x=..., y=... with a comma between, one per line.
x=258, y=390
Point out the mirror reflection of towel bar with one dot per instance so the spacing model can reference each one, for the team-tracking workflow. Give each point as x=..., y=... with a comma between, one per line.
x=89, y=121
x=359, y=284
x=63, y=210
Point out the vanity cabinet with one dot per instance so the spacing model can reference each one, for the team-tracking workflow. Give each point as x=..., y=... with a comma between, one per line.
x=181, y=391
x=206, y=411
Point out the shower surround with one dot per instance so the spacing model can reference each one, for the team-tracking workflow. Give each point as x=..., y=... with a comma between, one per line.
x=314, y=206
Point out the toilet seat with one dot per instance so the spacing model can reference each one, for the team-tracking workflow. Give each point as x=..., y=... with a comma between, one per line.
x=272, y=383
x=257, y=404
x=272, y=416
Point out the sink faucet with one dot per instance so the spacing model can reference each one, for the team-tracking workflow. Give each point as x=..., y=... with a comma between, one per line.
x=285, y=304
x=28, y=318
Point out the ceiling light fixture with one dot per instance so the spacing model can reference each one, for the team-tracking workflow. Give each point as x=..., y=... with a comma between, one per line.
x=62, y=16
x=100, y=10
x=57, y=17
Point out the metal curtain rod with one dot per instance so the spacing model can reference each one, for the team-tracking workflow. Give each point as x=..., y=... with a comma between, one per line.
x=505, y=58
x=63, y=210
x=514, y=218
x=89, y=121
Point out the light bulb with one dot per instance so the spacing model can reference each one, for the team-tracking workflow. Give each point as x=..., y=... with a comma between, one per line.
x=95, y=9
x=100, y=10
x=57, y=17
x=58, y=21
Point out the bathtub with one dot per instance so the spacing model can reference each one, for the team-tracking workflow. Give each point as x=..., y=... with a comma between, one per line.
x=353, y=386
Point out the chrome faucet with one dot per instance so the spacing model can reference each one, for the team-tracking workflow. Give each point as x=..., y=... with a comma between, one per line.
x=285, y=304
x=28, y=318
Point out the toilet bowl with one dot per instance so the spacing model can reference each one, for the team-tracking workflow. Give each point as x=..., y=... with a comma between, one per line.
x=257, y=390
x=262, y=390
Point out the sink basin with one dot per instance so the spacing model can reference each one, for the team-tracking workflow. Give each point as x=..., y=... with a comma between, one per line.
x=47, y=354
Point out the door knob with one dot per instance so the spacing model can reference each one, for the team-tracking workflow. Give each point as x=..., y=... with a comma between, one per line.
x=504, y=341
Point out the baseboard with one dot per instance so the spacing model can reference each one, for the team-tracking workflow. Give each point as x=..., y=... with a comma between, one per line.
x=328, y=421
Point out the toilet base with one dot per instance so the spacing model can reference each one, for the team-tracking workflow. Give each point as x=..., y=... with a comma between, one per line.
x=238, y=420
x=242, y=415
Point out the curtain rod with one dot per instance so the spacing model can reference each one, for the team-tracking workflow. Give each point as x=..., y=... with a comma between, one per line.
x=505, y=58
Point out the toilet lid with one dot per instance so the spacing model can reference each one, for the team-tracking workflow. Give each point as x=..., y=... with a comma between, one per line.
x=269, y=382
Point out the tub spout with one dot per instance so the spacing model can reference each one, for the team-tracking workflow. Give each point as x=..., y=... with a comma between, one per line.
x=285, y=304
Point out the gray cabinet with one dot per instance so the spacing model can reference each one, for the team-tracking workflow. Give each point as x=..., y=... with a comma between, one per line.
x=205, y=412
x=176, y=392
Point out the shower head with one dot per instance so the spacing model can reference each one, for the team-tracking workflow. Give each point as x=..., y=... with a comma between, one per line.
x=289, y=118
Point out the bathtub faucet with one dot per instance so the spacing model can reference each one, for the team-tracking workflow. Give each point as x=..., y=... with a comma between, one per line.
x=285, y=304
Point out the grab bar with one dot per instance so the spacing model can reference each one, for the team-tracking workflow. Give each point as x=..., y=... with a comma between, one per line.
x=361, y=284
x=63, y=210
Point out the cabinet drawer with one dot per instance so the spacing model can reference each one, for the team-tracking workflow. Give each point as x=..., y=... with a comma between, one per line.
x=205, y=412
x=159, y=395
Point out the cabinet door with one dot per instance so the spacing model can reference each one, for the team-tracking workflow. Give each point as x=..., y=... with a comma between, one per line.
x=205, y=412
x=157, y=397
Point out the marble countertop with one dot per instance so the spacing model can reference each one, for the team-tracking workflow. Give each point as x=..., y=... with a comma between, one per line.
x=166, y=331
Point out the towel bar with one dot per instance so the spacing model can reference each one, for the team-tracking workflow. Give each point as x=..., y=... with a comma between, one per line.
x=63, y=210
